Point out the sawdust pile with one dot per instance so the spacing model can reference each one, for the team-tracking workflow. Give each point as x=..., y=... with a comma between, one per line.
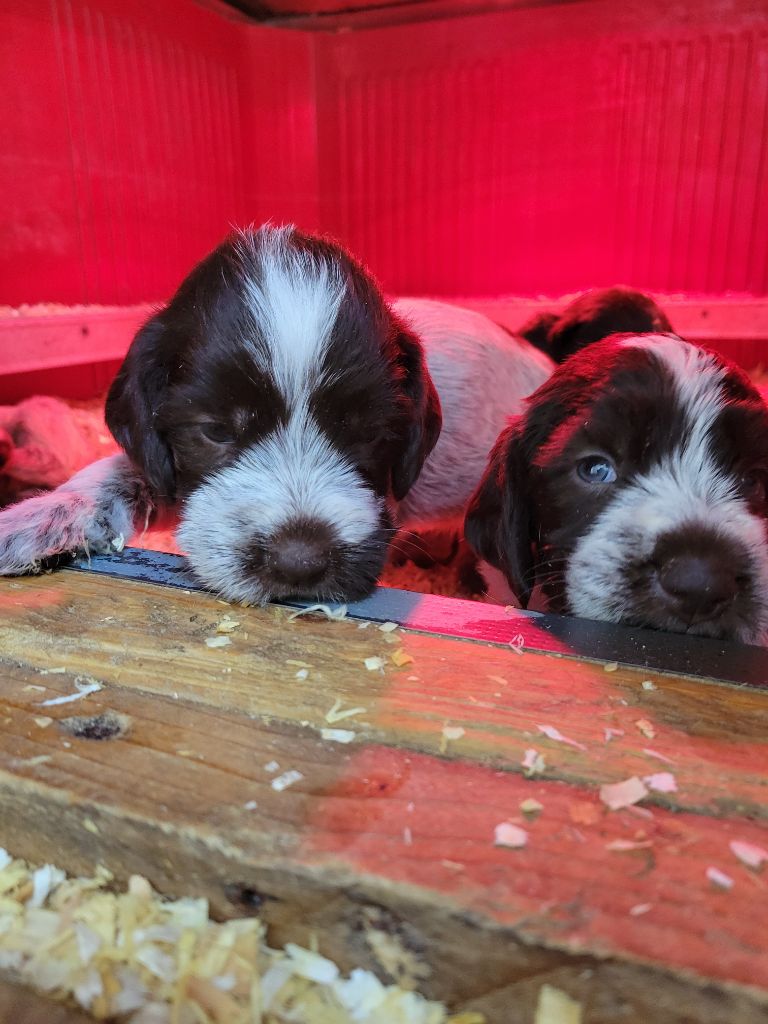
x=153, y=961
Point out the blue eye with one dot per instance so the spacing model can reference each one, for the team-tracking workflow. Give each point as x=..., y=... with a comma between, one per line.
x=596, y=469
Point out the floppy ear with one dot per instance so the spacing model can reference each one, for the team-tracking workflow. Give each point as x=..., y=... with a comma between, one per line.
x=537, y=329
x=498, y=520
x=422, y=416
x=133, y=403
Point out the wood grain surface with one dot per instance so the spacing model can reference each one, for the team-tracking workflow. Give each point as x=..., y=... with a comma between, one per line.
x=383, y=847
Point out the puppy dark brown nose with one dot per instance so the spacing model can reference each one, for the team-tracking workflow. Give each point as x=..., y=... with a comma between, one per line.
x=299, y=561
x=700, y=585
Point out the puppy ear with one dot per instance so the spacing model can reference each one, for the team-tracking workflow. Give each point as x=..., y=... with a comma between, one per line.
x=422, y=416
x=537, y=329
x=498, y=520
x=132, y=405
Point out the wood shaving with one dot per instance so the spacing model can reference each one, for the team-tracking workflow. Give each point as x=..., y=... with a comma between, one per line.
x=338, y=735
x=53, y=671
x=645, y=727
x=623, y=794
x=453, y=732
x=639, y=909
x=271, y=767
x=338, y=713
x=648, y=684
x=533, y=762
x=531, y=808
x=334, y=614
x=43, y=722
x=374, y=664
x=507, y=834
x=657, y=755
x=517, y=643
x=400, y=658
x=289, y=778
x=748, y=853
x=556, y=1007
x=610, y=733
x=627, y=845
x=610, y=666
x=661, y=782
x=138, y=957
x=302, y=674
x=84, y=686
x=388, y=627
x=719, y=878
x=217, y=641
x=227, y=625
x=554, y=734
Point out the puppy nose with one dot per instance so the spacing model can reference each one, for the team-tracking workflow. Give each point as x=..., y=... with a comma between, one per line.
x=702, y=585
x=299, y=561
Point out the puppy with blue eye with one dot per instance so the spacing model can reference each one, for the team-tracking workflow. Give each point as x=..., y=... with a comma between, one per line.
x=633, y=489
x=286, y=417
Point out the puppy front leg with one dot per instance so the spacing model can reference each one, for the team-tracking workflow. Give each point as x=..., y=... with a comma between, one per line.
x=95, y=511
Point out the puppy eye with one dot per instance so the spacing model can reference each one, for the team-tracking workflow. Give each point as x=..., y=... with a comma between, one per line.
x=753, y=486
x=219, y=433
x=596, y=469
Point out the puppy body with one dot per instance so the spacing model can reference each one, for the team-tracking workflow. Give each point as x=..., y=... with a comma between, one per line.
x=482, y=374
x=283, y=411
x=633, y=489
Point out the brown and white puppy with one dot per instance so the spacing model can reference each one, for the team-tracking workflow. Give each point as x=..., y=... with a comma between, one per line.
x=283, y=412
x=634, y=489
x=592, y=316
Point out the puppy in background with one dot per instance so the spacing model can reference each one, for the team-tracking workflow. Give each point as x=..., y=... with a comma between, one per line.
x=634, y=489
x=592, y=316
x=282, y=413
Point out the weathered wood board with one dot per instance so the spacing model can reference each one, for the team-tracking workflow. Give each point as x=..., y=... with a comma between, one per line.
x=384, y=847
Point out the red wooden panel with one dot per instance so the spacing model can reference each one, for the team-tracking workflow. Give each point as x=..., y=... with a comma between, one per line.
x=123, y=156
x=547, y=149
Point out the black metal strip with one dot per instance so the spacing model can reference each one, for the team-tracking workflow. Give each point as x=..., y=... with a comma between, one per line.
x=471, y=620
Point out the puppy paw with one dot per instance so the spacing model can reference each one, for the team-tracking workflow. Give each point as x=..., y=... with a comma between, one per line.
x=51, y=525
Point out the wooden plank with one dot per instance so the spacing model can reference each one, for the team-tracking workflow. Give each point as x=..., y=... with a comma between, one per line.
x=384, y=846
x=474, y=620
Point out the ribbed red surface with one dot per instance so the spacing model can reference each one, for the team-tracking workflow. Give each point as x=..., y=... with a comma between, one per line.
x=535, y=150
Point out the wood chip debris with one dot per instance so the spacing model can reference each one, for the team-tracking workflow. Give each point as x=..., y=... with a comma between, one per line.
x=334, y=614
x=661, y=782
x=517, y=643
x=639, y=909
x=400, y=658
x=134, y=956
x=719, y=878
x=227, y=625
x=338, y=735
x=623, y=794
x=217, y=641
x=338, y=712
x=646, y=728
x=648, y=684
x=289, y=778
x=554, y=734
x=507, y=834
x=43, y=722
x=531, y=807
x=453, y=732
x=374, y=664
x=611, y=666
x=533, y=762
x=628, y=845
x=60, y=670
x=556, y=1007
x=84, y=686
x=748, y=853
x=657, y=755
x=610, y=733
x=388, y=627
x=303, y=673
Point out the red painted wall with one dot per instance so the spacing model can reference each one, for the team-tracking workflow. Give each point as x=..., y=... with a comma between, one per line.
x=535, y=150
